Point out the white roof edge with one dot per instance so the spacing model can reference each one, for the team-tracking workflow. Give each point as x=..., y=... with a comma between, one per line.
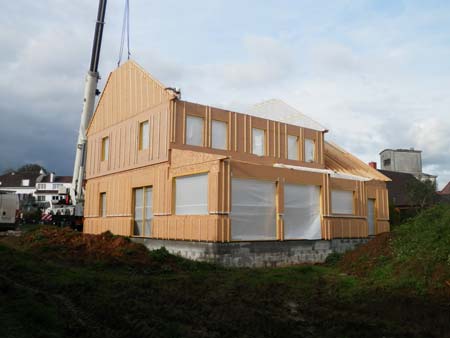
x=332, y=173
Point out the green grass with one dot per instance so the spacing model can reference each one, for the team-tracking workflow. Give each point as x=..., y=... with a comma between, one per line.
x=46, y=293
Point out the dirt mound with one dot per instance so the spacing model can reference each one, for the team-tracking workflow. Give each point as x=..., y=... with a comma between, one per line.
x=56, y=243
x=366, y=257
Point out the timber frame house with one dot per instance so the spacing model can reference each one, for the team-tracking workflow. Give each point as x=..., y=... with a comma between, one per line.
x=163, y=168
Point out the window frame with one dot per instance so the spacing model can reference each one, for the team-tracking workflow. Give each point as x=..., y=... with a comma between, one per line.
x=213, y=122
x=105, y=149
x=174, y=193
x=192, y=118
x=353, y=202
x=141, y=144
x=144, y=211
x=263, y=143
x=297, y=142
x=102, y=205
x=313, y=141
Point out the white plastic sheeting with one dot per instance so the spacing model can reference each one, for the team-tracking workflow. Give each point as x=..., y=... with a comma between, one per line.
x=258, y=141
x=253, y=210
x=191, y=195
x=219, y=134
x=194, y=130
x=292, y=147
x=342, y=202
x=371, y=216
x=302, y=212
x=309, y=150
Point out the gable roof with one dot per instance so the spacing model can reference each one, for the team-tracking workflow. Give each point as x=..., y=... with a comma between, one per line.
x=128, y=91
x=14, y=180
x=341, y=161
x=446, y=190
x=280, y=111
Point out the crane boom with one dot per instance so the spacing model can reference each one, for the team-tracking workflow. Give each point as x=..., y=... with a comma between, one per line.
x=90, y=91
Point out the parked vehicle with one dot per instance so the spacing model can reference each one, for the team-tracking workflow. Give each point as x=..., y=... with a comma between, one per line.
x=9, y=208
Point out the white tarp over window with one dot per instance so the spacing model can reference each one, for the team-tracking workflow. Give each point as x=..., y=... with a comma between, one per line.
x=219, y=134
x=253, y=210
x=302, y=212
x=309, y=150
x=194, y=130
x=258, y=141
x=342, y=202
x=371, y=216
x=292, y=147
x=191, y=195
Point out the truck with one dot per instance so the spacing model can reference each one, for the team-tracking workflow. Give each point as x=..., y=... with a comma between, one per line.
x=9, y=208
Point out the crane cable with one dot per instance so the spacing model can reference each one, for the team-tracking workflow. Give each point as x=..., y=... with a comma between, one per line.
x=125, y=29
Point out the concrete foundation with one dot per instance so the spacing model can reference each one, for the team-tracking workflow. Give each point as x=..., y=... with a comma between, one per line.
x=255, y=254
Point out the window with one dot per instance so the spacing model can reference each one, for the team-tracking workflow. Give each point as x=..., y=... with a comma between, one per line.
x=41, y=198
x=144, y=135
x=302, y=212
x=103, y=204
x=219, y=135
x=25, y=183
x=253, y=210
x=56, y=186
x=309, y=150
x=342, y=202
x=194, y=130
x=292, y=147
x=55, y=198
x=258, y=141
x=41, y=186
x=105, y=148
x=387, y=162
x=143, y=211
x=191, y=195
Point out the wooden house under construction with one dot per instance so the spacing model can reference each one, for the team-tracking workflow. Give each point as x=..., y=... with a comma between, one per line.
x=168, y=170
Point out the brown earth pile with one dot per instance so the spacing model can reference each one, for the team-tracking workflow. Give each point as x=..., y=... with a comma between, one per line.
x=363, y=259
x=56, y=243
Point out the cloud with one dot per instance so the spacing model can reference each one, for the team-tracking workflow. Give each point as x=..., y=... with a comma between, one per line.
x=376, y=74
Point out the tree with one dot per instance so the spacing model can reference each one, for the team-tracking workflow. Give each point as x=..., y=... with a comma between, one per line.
x=30, y=168
x=421, y=193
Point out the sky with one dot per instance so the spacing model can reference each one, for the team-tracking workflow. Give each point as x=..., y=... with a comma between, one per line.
x=375, y=73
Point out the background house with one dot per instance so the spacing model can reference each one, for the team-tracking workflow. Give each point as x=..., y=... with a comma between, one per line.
x=37, y=187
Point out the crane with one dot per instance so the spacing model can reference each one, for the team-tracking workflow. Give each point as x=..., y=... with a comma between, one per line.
x=90, y=92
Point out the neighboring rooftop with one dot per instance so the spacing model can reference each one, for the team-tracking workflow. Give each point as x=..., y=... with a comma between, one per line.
x=16, y=180
x=398, y=187
x=57, y=179
x=280, y=111
x=446, y=190
x=410, y=150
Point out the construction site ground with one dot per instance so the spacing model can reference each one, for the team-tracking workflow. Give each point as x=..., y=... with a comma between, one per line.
x=59, y=283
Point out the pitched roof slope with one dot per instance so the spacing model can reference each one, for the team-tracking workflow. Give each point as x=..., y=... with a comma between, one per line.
x=129, y=90
x=446, y=190
x=339, y=160
x=14, y=180
x=280, y=111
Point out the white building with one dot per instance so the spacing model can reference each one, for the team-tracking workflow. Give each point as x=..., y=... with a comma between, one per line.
x=43, y=187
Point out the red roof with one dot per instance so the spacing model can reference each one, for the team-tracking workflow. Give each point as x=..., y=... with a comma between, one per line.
x=446, y=190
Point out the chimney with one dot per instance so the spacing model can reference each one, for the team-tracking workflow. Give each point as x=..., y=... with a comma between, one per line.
x=52, y=177
x=373, y=165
